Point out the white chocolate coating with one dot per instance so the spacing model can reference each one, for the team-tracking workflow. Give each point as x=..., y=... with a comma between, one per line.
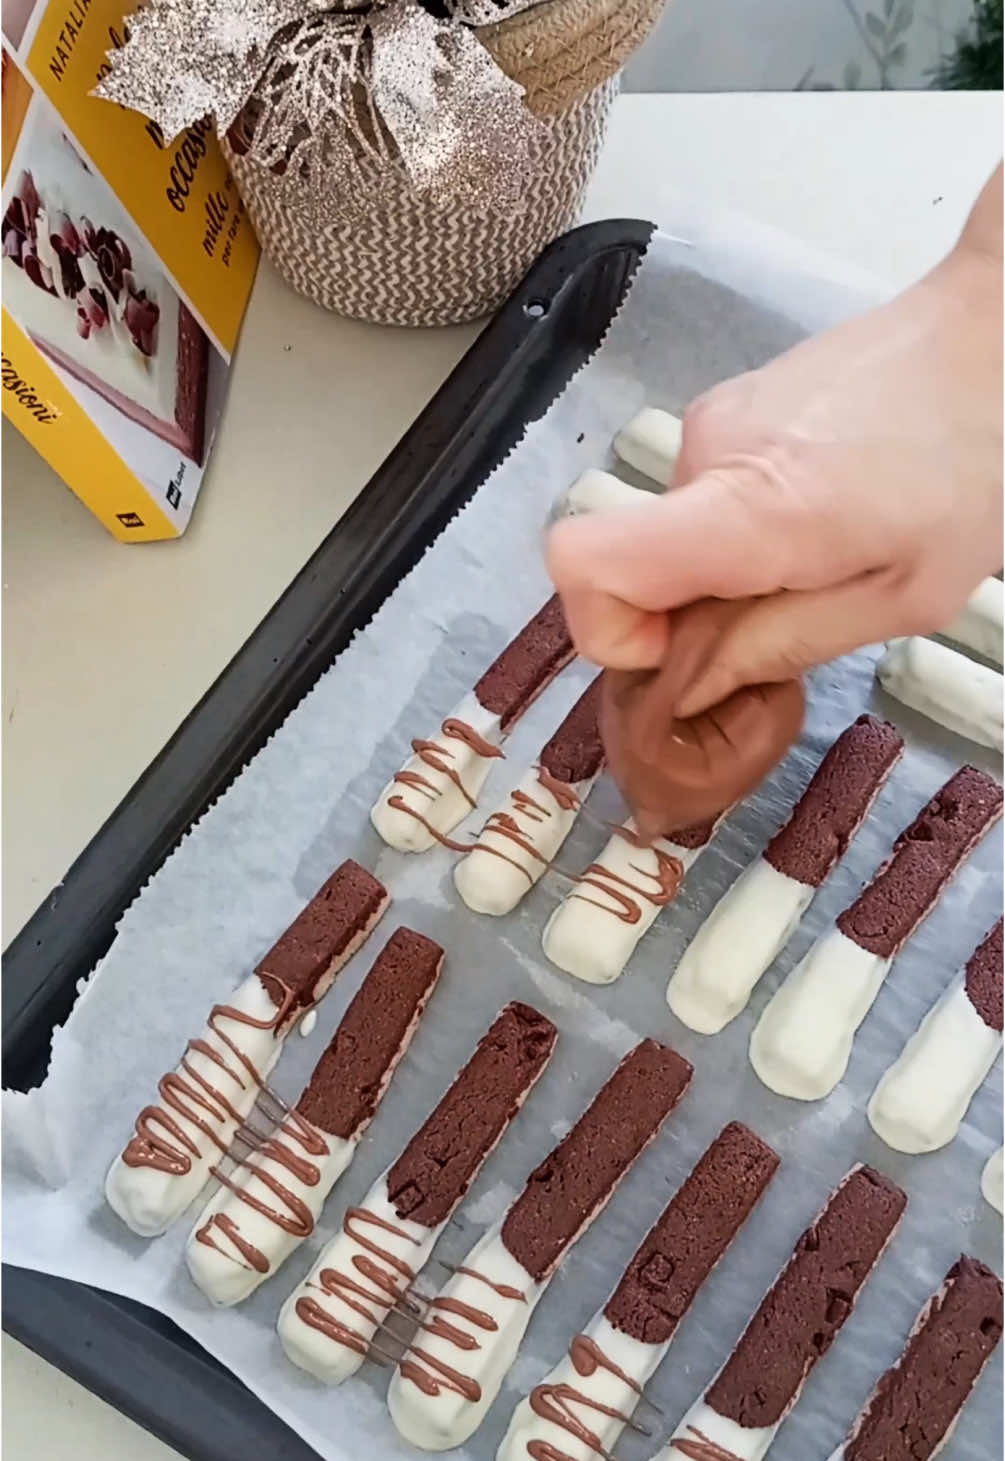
x=442, y=1421
x=596, y=491
x=993, y=1181
x=651, y=444
x=585, y=935
x=603, y=1388
x=440, y=802
x=920, y=1102
x=745, y=1443
x=321, y=1355
x=738, y=941
x=946, y=686
x=218, y=1267
x=802, y=1042
x=148, y=1200
x=496, y=874
x=980, y=624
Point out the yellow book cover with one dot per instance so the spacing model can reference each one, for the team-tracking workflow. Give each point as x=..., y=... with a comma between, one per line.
x=128, y=260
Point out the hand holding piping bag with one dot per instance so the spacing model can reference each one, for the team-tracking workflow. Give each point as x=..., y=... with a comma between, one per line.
x=675, y=772
x=847, y=492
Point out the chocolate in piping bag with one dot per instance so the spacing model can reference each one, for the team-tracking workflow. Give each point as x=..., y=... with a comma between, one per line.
x=674, y=773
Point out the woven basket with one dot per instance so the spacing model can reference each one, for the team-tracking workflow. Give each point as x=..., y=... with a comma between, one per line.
x=413, y=260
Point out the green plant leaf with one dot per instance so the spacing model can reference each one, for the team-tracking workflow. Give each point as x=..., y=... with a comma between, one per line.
x=888, y=7
x=975, y=62
x=897, y=55
x=852, y=75
x=903, y=18
x=875, y=26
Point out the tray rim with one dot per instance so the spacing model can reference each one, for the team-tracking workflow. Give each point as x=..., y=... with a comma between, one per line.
x=414, y=493
x=37, y=957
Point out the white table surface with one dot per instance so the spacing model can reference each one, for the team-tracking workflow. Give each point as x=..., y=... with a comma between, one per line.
x=106, y=648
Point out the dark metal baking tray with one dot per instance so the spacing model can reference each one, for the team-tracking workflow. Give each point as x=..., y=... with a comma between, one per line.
x=128, y=1354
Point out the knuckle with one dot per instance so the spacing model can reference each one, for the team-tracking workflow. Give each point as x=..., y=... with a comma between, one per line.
x=712, y=417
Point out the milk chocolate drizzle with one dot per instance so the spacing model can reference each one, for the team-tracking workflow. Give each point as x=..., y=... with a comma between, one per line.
x=444, y=1375
x=253, y=1257
x=504, y=1290
x=506, y=826
x=437, y=757
x=399, y=804
x=459, y=730
x=437, y=1325
x=667, y=878
x=311, y=1312
x=298, y=1220
x=560, y=790
x=380, y=1271
x=418, y=782
x=587, y=1358
x=555, y=1403
x=701, y=1448
x=528, y=807
x=432, y=753
x=503, y=824
x=196, y=1098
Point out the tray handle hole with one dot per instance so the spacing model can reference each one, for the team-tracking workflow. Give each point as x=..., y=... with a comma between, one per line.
x=536, y=308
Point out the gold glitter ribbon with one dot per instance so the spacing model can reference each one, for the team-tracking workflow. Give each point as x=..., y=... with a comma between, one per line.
x=336, y=97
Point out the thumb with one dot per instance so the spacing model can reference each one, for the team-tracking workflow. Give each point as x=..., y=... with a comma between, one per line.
x=780, y=636
x=619, y=572
x=614, y=634
x=733, y=532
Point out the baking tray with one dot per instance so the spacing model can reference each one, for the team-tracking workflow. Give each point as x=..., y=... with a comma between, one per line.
x=131, y=1356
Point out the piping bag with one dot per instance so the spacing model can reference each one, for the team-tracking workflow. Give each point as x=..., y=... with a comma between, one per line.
x=672, y=772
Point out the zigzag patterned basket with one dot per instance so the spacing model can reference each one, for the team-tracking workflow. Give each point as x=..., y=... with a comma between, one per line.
x=413, y=260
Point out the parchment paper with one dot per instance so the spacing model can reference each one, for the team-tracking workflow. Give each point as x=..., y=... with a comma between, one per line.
x=720, y=298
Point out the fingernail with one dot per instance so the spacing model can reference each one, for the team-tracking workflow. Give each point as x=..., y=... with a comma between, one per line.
x=649, y=826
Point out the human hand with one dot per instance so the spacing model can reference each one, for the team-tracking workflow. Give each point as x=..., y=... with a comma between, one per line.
x=851, y=488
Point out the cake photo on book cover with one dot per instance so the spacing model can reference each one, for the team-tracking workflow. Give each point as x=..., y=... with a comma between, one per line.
x=16, y=15
x=91, y=295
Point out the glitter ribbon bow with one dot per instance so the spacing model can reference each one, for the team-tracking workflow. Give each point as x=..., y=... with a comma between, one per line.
x=334, y=96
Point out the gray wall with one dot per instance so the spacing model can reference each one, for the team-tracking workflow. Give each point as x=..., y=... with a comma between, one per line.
x=780, y=45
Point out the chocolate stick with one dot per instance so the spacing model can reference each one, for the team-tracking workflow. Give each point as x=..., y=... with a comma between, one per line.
x=441, y=782
x=222, y=1073
x=915, y=1405
x=803, y=1040
x=271, y=1201
x=795, y=1325
x=591, y=1395
x=751, y=924
x=449, y=1378
x=329, y=1320
x=522, y=836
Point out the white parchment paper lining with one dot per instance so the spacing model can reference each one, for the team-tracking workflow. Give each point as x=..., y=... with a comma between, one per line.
x=722, y=296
